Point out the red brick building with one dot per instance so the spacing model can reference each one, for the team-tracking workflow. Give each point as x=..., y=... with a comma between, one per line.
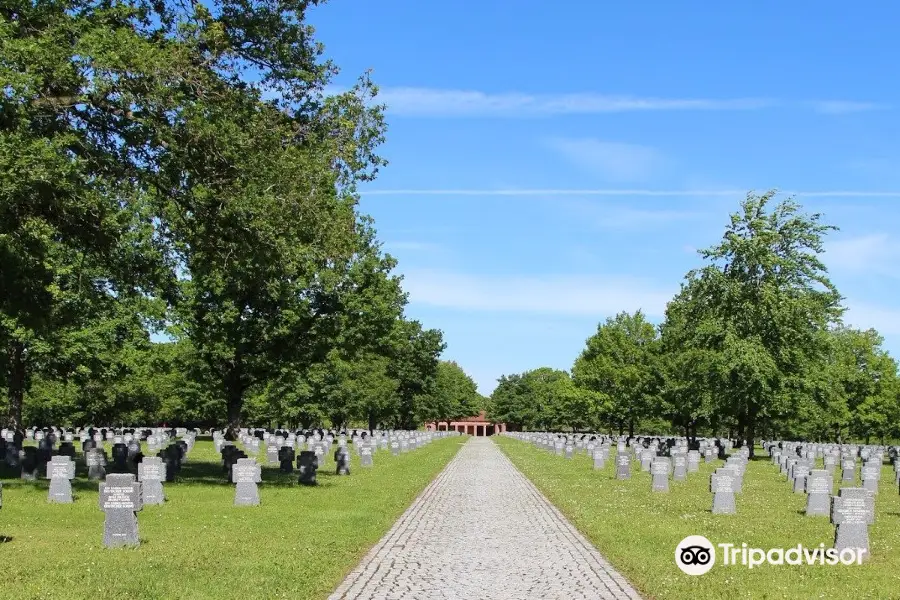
x=479, y=426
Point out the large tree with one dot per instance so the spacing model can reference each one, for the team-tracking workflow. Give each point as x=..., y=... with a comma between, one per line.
x=761, y=305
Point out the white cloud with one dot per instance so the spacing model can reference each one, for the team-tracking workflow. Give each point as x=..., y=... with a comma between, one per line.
x=863, y=315
x=614, y=161
x=874, y=253
x=842, y=107
x=431, y=102
x=551, y=294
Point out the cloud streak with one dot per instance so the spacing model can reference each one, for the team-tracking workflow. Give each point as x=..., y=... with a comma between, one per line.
x=575, y=295
x=414, y=101
x=874, y=253
x=698, y=193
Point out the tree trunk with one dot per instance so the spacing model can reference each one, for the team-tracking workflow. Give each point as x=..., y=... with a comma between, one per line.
x=373, y=421
x=621, y=428
x=750, y=431
x=631, y=428
x=15, y=383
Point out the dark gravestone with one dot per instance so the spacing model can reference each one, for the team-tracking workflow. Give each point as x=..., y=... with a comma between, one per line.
x=818, y=489
x=365, y=455
x=67, y=449
x=659, y=471
x=96, y=464
x=721, y=484
x=120, y=499
x=848, y=470
x=852, y=511
x=171, y=456
x=60, y=472
x=342, y=460
x=151, y=474
x=623, y=466
x=286, y=459
x=29, y=463
x=307, y=465
x=120, y=458
x=246, y=473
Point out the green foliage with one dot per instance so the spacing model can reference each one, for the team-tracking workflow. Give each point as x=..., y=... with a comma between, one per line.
x=751, y=345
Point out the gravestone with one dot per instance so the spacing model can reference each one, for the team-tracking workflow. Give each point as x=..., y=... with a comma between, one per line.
x=852, y=511
x=599, y=458
x=870, y=474
x=693, y=461
x=60, y=472
x=800, y=472
x=819, y=485
x=342, y=460
x=365, y=455
x=29, y=463
x=120, y=458
x=120, y=499
x=246, y=473
x=848, y=470
x=286, y=459
x=569, y=451
x=151, y=474
x=395, y=447
x=659, y=471
x=679, y=472
x=721, y=484
x=623, y=466
x=307, y=465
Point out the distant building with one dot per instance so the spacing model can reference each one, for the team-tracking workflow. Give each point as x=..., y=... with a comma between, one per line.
x=479, y=426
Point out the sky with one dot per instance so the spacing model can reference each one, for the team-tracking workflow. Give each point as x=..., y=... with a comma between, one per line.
x=553, y=164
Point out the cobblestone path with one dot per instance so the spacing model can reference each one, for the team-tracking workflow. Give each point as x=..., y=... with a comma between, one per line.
x=482, y=531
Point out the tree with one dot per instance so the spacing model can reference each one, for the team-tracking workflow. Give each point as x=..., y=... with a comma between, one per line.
x=619, y=365
x=761, y=306
x=455, y=395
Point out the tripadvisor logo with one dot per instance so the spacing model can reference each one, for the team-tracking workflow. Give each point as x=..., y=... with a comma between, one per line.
x=696, y=555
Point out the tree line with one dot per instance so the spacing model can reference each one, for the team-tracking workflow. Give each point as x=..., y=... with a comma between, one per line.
x=753, y=345
x=177, y=169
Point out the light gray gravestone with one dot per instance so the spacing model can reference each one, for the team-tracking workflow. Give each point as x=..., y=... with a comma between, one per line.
x=871, y=473
x=693, y=461
x=659, y=472
x=852, y=511
x=819, y=485
x=679, y=467
x=623, y=466
x=245, y=474
x=395, y=448
x=721, y=484
x=60, y=472
x=569, y=451
x=800, y=473
x=151, y=474
x=599, y=458
x=120, y=499
x=365, y=455
x=646, y=460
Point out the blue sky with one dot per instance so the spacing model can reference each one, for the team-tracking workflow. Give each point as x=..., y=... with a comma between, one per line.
x=554, y=164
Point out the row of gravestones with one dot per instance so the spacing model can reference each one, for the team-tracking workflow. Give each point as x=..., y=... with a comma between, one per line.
x=246, y=472
x=852, y=511
x=662, y=458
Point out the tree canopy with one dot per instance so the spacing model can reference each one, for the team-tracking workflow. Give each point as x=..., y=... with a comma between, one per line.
x=752, y=345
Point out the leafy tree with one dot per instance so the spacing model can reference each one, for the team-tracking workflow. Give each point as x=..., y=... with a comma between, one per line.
x=619, y=365
x=455, y=395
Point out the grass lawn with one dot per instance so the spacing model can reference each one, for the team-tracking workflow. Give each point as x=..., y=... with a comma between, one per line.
x=300, y=543
x=637, y=530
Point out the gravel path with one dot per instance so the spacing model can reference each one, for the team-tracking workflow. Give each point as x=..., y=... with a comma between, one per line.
x=482, y=531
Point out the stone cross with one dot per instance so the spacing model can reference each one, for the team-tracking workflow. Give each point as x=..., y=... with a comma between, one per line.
x=659, y=471
x=60, y=472
x=819, y=485
x=365, y=455
x=852, y=511
x=151, y=474
x=623, y=466
x=307, y=465
x=721, y=484
x=245, y=474
x=120, y=499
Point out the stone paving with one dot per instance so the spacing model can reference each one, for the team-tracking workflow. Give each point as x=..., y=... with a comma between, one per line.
x=482, y=531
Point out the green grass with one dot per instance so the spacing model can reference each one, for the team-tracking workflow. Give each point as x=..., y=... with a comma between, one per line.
x=637, y=530
x=300, y=543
